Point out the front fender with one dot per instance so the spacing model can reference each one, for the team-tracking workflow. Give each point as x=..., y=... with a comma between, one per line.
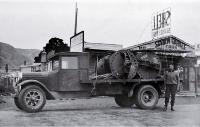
x=25, y=83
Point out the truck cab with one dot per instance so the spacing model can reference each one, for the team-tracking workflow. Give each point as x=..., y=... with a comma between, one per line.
x=67, y=70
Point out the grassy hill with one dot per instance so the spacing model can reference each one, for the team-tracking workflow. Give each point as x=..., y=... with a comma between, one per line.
x=15, y=57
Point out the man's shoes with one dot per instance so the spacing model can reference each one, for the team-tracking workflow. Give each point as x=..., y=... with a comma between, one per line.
x=165, y=108
x=172, y=109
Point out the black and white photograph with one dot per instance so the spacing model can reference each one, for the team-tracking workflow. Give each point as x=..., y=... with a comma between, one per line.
x=106, y=63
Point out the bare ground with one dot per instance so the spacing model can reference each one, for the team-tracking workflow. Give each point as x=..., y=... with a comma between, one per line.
x=100, y=112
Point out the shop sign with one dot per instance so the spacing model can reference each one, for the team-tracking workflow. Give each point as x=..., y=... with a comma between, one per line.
x=167, y=43
x=77, y=42
x=161, y=23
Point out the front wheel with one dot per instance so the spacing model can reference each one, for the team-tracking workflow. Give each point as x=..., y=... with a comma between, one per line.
x=146, y=97
x=16, y=100
x=124, y=100
x=32, y=99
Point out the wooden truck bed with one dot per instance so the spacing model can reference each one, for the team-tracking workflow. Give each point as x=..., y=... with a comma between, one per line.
x=112, y=81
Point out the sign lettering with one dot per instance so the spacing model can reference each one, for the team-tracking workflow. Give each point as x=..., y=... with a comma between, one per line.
x=161, y=23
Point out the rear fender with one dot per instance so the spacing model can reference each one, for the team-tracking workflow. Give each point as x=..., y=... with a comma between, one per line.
x=137, y=86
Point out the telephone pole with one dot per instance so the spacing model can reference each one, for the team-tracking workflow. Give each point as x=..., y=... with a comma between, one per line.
x=76, y=16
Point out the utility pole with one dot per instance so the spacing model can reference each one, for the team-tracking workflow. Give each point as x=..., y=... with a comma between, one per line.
x=76, y=16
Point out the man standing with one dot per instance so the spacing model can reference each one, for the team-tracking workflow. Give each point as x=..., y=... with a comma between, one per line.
x=171, y=81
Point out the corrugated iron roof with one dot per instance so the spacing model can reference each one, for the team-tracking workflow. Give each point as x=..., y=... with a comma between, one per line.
x=102, y=46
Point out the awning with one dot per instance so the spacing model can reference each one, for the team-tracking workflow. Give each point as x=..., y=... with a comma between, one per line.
x=161, y=50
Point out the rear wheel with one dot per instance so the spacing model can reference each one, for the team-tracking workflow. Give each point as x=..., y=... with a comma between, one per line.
x=124, y=101
x=32, y=98
x=146, y=97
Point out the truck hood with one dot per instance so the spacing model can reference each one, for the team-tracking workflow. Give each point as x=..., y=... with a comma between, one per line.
x=35, y=75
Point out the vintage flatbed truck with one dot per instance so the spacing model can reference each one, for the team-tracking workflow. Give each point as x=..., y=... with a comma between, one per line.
x=68, y=77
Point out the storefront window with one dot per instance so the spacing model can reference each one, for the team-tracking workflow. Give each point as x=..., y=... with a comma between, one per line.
x=69, y=63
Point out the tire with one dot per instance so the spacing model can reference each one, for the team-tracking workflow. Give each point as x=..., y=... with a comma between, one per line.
x=124, y=101
x=146, y=97
x=32, y=98
x=17, y=103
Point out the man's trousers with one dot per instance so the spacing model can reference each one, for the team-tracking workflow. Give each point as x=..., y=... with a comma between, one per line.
x=170, y=90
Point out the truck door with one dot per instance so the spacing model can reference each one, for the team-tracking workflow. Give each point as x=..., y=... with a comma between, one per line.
x=74, y=68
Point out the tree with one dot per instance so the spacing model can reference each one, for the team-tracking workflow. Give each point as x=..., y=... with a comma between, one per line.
x=55, y=44
x=37, y=59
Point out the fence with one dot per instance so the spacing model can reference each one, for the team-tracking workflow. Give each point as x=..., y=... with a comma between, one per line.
x=6, y=83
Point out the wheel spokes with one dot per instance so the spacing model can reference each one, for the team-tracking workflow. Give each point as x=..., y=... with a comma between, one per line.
x=33, y=98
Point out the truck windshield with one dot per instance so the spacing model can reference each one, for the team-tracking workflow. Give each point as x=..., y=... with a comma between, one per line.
x=69, y=63
x=53, y=65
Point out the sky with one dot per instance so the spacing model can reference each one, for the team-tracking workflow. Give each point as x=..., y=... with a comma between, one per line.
x=30, y=24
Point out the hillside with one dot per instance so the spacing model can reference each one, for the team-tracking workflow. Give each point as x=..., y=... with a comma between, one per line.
x=15, y=57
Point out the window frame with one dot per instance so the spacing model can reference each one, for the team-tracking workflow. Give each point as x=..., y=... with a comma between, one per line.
x=61, y=59
x=50, y=64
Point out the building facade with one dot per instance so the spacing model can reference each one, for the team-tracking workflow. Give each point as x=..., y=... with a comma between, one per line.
x=35, y=67
x=172, y=50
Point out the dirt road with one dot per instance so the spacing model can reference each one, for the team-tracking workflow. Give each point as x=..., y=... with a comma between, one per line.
x=98, y=112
